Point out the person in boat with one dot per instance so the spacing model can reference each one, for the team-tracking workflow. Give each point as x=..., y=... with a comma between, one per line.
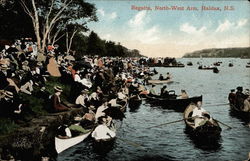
x=82, y=99
x=64, y=132
x=200, y=114
x=247, y=104
x=161, y=77
x=102, y=132
x=152, y=91
x=88, y=118
x=183, y=94
x=240, y=97
x=164, y=91
x=57, y=105
x=100, y=110
x=232, y=97
x=168, y=76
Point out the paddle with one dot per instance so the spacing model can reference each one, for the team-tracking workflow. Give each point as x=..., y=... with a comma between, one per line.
x=223, y=124
x=171, y=122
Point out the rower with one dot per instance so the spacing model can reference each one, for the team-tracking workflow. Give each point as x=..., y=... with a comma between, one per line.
x=152, y=91
x=102, y=132
x=200, y=114
x=161, y=77
x=183, y=94
x=168, y=76
x=164, y=91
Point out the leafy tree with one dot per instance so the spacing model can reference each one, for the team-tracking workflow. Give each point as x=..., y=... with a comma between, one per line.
x=50, y=17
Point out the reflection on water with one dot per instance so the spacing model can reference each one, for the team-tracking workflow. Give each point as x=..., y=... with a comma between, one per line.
x=170, y=142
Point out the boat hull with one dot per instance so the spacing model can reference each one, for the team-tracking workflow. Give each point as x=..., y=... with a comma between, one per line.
x=176, y=104
x=63, y=144
x=210, y=130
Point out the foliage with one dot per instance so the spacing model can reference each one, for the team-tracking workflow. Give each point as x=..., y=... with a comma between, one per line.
x=7, y=126
x=226, y=52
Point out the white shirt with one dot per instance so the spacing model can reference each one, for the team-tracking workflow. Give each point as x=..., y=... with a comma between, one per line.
x=198, y=112
x=102, y=132
x=113, y=102
x=121, y=95
x=100, y=112
x=80, y=100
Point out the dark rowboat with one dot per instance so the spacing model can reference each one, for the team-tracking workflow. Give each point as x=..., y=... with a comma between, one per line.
x=209, y=130
x=134, y=103
x=177, y=104
x=237, y=112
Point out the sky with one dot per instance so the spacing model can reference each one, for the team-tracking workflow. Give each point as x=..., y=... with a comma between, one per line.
x=172, y=33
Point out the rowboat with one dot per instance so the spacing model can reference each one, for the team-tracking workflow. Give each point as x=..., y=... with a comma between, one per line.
x=178, y=104
x=243, y=115
x=209, y=130
x=160, y=81
x=134, y=103
x=63, y=144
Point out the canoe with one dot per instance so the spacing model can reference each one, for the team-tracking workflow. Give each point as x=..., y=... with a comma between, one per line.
x=177, y=104
x=210, y=130
x=160, y=81
x=206, y=68
x=63, y=144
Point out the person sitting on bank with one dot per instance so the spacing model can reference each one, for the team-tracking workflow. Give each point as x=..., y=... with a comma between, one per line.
x=102, y=132
x=183, y=94
x=200, y=114
x=161, y=77
x=164, y=91
x=57, y=105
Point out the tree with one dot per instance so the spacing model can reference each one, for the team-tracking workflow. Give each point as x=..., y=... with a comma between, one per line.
x=96, y=46
x=14, y=22
x=50, y=17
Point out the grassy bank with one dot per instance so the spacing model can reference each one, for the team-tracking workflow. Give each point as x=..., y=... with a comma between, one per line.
x=37, y=105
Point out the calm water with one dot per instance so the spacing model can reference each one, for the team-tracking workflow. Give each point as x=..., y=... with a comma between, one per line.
x=171, y=142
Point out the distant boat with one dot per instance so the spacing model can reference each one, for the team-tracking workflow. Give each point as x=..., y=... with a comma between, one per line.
x=189, y=63
x=230, y=65
x=160, y=81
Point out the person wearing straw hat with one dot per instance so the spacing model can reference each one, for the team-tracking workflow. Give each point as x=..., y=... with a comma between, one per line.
x=57, y=105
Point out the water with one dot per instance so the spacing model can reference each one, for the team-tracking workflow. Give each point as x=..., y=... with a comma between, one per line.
x=171, y=142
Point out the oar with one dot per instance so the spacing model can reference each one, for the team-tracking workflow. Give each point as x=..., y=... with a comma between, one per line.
x=130, y=142
x=171, y=122
x=223, y=124
x=217, y=104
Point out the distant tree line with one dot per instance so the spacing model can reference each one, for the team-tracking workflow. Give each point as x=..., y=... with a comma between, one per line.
x=61, y=22
x=223, y=52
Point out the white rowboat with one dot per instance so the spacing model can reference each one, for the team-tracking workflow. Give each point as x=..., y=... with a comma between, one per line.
x=63, y=144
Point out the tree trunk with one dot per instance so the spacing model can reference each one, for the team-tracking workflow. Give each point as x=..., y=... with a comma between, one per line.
x=70, y=40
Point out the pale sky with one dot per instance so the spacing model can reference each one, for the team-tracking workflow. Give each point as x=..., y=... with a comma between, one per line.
x=172, y=33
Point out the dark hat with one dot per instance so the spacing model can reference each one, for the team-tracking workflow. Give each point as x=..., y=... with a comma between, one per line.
x=232, y=90
x=239, y=88
x=58, y=88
